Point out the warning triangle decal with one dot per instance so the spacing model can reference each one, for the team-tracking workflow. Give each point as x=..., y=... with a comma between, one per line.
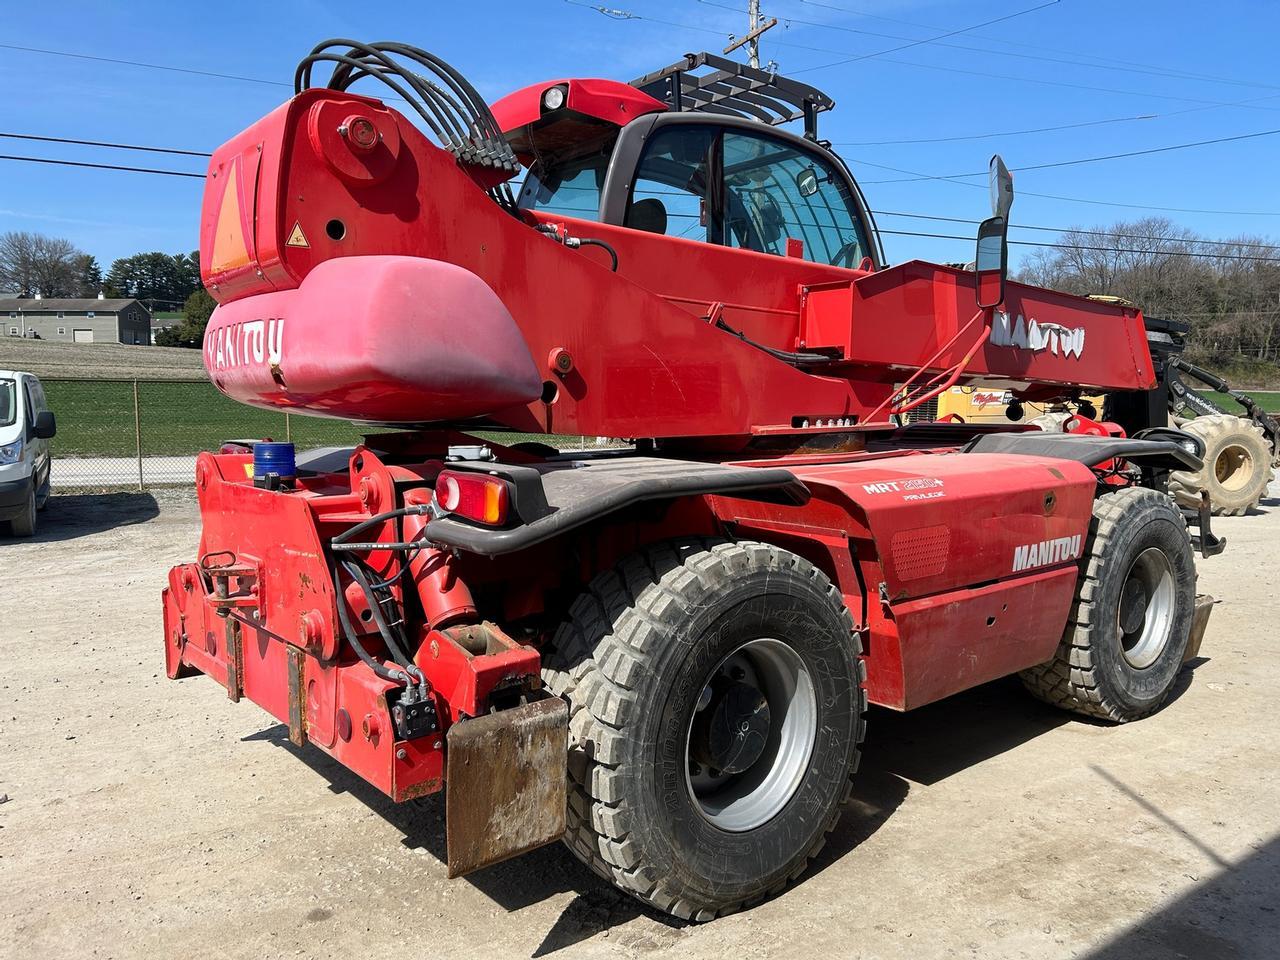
x=229, y=248
x=296, y=237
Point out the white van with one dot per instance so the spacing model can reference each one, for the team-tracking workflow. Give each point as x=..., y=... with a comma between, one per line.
x=26, y=425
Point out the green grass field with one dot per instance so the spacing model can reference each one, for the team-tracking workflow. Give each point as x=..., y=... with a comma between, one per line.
x=1270, y=400
x=95, y=419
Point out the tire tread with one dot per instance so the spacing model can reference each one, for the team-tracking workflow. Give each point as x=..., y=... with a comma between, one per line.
x=1071, y=679
x=601, y=652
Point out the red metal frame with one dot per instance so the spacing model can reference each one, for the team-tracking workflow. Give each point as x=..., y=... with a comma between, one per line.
x=660, y=372
x=376, y=280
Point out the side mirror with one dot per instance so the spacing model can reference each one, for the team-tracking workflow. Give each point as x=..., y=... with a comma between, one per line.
x=992, y=258
x=807, y=182
x=991, y=262
x=1001, y=183
x=45, y=426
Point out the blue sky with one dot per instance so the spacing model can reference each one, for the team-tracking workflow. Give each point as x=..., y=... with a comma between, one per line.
x=1074, y=62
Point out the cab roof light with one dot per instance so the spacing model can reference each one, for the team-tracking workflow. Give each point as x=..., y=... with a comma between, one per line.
x=553, y=97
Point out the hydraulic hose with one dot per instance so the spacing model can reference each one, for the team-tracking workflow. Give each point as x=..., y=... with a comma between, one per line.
x=342, y=540
x=375, y=608
x=592, y=242
x=785, y=356
x=394, y=676
x=449, y=105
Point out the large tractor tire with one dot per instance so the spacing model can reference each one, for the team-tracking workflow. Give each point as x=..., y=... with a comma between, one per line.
x=716, y=705
x=1237, y=466
x=1131, y=618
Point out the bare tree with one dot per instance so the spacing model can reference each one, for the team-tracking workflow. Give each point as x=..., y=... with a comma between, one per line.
x=1227, y=290
x=32, y=263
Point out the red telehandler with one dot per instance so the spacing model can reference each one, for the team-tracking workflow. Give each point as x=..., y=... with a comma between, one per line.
x=664, y=653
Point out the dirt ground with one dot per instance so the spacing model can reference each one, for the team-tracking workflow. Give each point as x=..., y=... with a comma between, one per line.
x=148, y=818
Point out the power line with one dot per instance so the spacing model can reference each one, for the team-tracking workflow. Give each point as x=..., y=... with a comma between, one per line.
x=1079, y=86
x=1151, y=69
x=103, y=166
x=619, y=14
x=1074, y=246
x=1203, y=104
x=904, y=233
x=993, y=136
x=917, y=43
x=1056, y=196
x=915, y=176
x=1065, y=126
x=1078, y=230
x=139, y=63
x=103, y=143
x=1107, y=62
x=1072, y=163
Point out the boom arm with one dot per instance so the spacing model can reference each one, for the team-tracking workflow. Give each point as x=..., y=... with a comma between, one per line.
x=1203, y=406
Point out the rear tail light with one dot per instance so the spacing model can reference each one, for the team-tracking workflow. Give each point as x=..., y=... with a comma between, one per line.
x=475, y=496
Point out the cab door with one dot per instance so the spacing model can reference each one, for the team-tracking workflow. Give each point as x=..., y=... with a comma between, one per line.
x=737, y=184
x=732, y=218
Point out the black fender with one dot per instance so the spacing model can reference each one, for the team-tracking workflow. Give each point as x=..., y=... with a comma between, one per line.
x=549, y=499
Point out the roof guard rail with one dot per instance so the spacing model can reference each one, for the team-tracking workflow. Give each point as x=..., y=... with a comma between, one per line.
x=734, y=89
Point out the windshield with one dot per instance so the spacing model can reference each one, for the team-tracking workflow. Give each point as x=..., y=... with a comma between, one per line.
x=8, y=402
x=775, y=193
x=571, y=187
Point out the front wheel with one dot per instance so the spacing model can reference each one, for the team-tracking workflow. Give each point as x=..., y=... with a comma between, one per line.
x=1125, y=640
x=716, y=706
x=24, y=524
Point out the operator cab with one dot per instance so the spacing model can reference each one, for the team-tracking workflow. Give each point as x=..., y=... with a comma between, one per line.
x=692, y=157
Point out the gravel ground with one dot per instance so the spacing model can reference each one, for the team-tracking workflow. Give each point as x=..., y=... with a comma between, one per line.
x=147, y=818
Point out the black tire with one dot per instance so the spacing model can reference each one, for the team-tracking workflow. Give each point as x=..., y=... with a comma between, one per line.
x=24, y=525
x=1101, y=667
x=634, y=660
x=1237, y=466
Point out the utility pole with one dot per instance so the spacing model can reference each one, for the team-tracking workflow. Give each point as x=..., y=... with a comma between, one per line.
x=752, y=39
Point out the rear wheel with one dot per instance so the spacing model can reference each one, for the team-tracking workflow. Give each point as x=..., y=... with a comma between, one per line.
x=1124, y=643
x=1237, y=466
x=24, y=525
x=716, y=707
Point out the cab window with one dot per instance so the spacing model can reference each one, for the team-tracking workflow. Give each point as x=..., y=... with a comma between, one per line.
x=746, y=190
x=775, y=192
x=671, y=193
x=31, y=409
x=8, y=403
x=569, y=187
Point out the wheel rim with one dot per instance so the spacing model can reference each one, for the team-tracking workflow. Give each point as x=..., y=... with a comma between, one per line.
x=1145, y=615
x=756, y=715
x=1233, y=467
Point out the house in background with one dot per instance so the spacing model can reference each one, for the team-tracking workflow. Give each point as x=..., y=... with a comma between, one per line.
x=76, y=321
x=163, y=320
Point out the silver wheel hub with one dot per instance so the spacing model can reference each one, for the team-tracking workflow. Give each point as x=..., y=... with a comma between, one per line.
x=752, y=733
x=1146, y=611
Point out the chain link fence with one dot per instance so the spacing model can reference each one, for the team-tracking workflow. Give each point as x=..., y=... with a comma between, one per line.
x=138, y=434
